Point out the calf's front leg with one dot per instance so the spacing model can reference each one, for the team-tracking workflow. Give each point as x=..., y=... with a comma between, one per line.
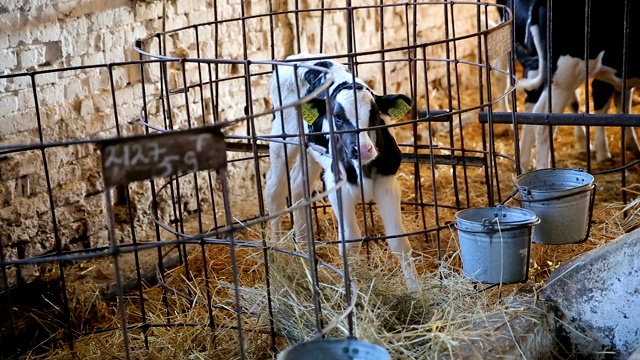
x=387, y=194
x=348, y=228
x=345, y=211
x=562, y=97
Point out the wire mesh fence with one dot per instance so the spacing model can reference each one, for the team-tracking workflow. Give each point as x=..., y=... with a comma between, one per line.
x=165, y=211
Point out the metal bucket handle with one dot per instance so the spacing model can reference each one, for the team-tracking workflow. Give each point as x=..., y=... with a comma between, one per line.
x=489, y=226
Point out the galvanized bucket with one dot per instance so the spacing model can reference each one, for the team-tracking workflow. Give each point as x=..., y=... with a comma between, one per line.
x=335, y=349
x=495, y=243
x=562, y=199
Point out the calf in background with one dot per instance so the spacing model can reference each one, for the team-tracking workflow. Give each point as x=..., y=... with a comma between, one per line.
x=568, y=66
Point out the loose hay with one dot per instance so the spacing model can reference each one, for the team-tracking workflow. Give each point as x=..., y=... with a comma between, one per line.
x=438, y=320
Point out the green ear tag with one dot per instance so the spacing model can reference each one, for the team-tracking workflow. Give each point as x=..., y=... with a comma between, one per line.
x=399, y=110
x=309, y=113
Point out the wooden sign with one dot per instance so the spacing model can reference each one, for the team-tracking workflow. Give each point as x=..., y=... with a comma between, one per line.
x=136, y=158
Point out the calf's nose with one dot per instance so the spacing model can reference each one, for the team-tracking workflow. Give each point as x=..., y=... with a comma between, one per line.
x=365, y=151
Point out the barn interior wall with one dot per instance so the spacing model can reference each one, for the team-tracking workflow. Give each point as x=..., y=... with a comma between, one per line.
x=43, y=34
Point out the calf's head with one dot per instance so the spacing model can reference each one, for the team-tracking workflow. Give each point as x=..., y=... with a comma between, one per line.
x=354, y=111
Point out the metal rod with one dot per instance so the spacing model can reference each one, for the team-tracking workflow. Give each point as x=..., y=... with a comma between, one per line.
x=625, y=120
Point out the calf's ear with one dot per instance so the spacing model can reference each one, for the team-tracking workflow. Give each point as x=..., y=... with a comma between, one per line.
x=313, y=109
x=394, y=105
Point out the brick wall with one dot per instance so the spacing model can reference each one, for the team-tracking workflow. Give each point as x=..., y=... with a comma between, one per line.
x=78, y=104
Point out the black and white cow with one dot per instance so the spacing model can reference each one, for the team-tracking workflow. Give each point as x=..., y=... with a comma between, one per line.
x=527, y=57
x=568, y=66
x=370, y=158
x=525, y=53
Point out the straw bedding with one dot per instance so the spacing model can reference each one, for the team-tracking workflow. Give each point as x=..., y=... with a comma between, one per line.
x=436, y=321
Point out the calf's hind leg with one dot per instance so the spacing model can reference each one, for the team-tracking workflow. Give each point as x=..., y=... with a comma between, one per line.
x=602, y=95
x=276, y=182
x=630, y=137
x=298, y=179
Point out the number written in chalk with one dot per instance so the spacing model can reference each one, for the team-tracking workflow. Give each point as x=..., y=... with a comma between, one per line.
x=161, y=156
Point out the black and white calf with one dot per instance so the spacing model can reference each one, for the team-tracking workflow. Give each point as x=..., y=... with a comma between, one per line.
x=370, y=158
x=526, y=34
x=605, y=62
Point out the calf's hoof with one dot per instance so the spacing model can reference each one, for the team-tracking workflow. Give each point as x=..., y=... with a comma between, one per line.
x=604, y=159
x=634, y=150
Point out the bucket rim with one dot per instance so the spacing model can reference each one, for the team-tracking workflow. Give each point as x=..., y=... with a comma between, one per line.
x=531, y=220
x=531, y=194
x=348, y=341
x=545, y=191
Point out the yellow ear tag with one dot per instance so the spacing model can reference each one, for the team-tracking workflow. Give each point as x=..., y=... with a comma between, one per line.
x=398, y=111
x=309, y=113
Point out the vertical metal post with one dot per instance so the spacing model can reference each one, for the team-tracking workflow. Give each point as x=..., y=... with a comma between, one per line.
x=115, y=252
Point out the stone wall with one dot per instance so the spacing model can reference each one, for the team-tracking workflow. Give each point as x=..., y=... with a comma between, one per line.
x=78, y=103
